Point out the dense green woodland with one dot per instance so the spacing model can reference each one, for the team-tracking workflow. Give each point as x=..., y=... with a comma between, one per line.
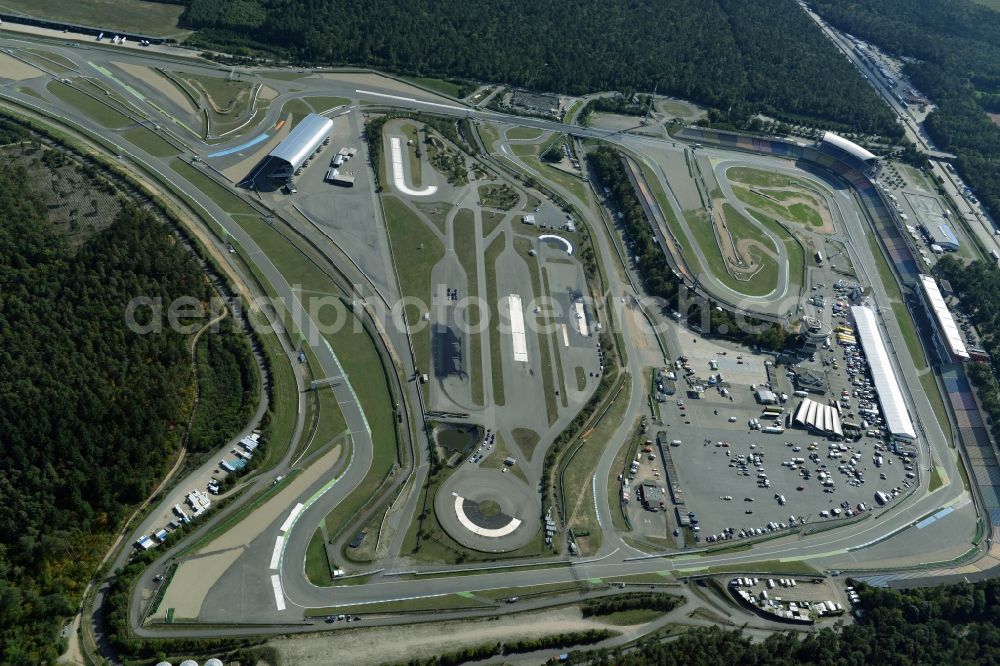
x=89, y=411
x=737, y=56
x=955, y=624
x=957, y=43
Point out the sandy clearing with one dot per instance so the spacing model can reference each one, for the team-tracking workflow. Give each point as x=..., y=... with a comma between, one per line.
x=267, y=93
x=192, y=581
x=196, y=575
x=402, y=643
x=14, y=69
x=364, y=80
x=158, y=82
x=281, y=504
x=241, y=169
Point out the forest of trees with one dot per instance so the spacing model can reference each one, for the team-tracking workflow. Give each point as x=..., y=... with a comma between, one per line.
x=227, y=387
x=739, y=57
x=657, y=276
x=953, y=624
x=956, y=44
x=89, y=410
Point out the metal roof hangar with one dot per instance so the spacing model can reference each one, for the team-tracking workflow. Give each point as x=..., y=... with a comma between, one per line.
x=300, y=143
x=890, y=396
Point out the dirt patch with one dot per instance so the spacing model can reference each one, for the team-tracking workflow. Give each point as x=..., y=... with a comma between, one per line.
x=417, y=641
x=159, y=83
x=267, y=93
x=248, y=530
x=199, y=574
x=14, y=69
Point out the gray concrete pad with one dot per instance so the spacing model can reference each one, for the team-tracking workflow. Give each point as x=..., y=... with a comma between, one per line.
x=516, y=499
x=706, y=477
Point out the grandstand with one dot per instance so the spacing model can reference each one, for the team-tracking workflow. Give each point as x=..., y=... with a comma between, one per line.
x=947, y=330
x=848, y=152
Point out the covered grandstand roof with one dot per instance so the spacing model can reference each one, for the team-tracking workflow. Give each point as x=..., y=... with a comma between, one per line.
x=890, y=396
x=303, y=140
x=848, y=147
x=942, y=315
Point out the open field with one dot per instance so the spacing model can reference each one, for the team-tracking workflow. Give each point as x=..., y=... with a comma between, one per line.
x=331, y=422
x=451, y=88
x=92, y=108
x=793, y=250
x=149, y=141
x=518, y=133
x=492, y=252
x=317, y=563
x=465, y=248
x=226, y=98
x=701, y=228
x=577, y=474
x=673, y=224
x=321, y=104
x=150, y=18
x=412, y=153
x=357, y=355
x=411, y=238
x=50, y=61
x=804, y=209
x=228, y=201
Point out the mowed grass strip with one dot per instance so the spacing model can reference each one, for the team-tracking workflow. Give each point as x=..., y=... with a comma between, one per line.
x=92, y=108
x=317, y=563
x=523, y=133
x=227, y=201
x=465, y=242
x=793, y=248
x=449, y=88
x=673, y=224
x=321, y=104
x=492, y=252
x=416, y=250
x=415, y=174
x=522, y=245
x=442, y=602
x=152, y=143
x=357, y=354
x=577, y=475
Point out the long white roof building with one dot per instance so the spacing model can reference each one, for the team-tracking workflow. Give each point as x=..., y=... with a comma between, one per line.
x=950, y=334
x=890, y=395
x=304, y=138
x=848, y=146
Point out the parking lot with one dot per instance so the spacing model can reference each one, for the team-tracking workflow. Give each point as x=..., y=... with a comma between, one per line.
x=737, y=477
